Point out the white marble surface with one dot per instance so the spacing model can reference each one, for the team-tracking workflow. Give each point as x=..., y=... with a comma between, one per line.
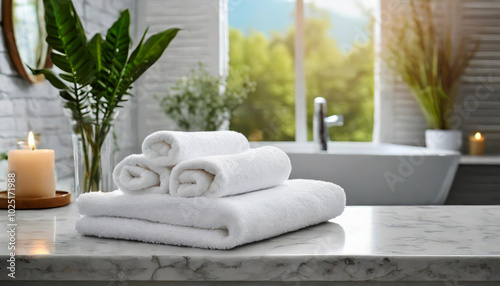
x=383, y=243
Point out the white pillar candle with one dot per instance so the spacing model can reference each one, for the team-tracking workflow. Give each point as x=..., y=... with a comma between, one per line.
x=476, y=144
x=34, y=171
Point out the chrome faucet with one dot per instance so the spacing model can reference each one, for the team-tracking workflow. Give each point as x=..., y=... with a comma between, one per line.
x=321, y=123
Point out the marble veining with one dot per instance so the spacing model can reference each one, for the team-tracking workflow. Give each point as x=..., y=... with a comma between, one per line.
x=382, y=243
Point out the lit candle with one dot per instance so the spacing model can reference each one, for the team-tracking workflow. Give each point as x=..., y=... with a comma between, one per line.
x=476, y=144
x=34, y=171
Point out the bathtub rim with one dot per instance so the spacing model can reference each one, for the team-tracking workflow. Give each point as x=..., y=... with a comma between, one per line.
x=334, y=148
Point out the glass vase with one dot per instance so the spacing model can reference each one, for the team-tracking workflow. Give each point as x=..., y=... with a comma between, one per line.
x=93, y=163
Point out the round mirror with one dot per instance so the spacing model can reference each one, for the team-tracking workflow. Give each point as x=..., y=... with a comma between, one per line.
x=24, y=31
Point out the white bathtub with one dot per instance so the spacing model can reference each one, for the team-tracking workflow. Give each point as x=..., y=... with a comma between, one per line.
x=376, y=174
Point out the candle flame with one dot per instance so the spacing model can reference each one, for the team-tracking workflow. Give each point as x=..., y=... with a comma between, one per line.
x=31, y=140
x=478, y=136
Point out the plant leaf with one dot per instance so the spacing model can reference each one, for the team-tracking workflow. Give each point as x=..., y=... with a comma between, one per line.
x=51, y=77
x=115, y=48
x=114, y=54
x=61, y=62
x=95, y=49
x=67, y=77
x=66, y=95
x=66, y=35
x=147, y=54
x=139, y=46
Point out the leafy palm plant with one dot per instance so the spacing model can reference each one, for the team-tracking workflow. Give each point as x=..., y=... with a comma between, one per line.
x=95, y=75
x=427, y=61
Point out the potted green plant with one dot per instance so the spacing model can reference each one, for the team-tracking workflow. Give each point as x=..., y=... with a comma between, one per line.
x=94, y=79
x=203, y=102
x=431, y=65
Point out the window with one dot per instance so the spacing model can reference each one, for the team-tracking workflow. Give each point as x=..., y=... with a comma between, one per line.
x=261, y=41
x=332, y=57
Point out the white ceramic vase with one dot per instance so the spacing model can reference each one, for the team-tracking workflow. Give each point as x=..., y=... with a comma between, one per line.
x=443, y=139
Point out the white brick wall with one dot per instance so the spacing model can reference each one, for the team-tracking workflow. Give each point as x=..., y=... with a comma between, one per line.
x=25, y=106
x=204, y=30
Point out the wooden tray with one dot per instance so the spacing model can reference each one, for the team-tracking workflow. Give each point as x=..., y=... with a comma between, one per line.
x=62, y=198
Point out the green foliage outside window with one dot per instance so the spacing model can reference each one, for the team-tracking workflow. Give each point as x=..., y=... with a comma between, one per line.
x=345, y=79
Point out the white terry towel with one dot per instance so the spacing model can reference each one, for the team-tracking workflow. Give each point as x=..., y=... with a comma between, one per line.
x=136, y=175
x=168, y=148
x=223, y=175
x=219, y=223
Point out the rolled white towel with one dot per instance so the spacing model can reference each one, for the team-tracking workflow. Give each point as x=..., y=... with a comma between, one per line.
x=224, y=175
x=168, y=148
x=217, y=223
x=136, y=175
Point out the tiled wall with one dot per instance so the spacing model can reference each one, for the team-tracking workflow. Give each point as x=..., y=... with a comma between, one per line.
x=25, y=106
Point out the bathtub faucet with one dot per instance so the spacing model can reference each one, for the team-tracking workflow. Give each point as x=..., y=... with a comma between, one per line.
x=321, y=123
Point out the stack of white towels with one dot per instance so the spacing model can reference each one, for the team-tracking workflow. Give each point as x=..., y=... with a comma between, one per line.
x=207, y=190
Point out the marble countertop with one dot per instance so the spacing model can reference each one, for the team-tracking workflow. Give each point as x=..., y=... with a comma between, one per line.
x=382, y=243
x=480, y=160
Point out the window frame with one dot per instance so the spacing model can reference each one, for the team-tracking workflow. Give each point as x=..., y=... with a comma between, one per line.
x=300, y=77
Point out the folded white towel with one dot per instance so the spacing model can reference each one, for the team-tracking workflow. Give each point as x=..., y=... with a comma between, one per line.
x=168, y=148
x=137, y=175
x=220, y=223
x=223, y=175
